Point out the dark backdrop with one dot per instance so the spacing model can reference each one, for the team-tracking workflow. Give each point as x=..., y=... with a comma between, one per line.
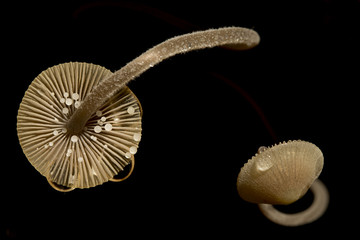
x=205, y=114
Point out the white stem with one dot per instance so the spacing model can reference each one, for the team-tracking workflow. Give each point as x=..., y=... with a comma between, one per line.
x=315, y=211
x=232, y=37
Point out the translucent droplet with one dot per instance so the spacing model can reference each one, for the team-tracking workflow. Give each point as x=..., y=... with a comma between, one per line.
x=262, y=149
x=108, y=127
x=131, y=110
x=65, y=111
x=263, y=164
x=97, y=129
x=99, y=113
x=74, y=138
x=128, y=155
x=133, y=150
x=137, y=137
x=75, y=96
x=69, y=101
x=77, y=104
x=55, y=132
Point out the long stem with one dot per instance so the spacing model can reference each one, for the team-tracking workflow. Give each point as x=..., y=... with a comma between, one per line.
x=232, y=37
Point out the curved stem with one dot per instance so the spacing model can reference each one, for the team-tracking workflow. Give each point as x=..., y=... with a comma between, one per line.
x=316, y=210
x=59, y=187
x=128, y=175
x=232, y=37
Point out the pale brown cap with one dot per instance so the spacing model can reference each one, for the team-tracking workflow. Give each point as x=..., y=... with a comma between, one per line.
x=280, y=174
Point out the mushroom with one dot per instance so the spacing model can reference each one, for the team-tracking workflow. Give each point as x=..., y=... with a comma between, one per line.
x=107, y=143
x=79, y=125
x=282, y=174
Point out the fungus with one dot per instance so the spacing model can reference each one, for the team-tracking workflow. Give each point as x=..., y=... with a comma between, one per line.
x=79, y=125
x=92, y=156
x=282, y=174
x=231, y=37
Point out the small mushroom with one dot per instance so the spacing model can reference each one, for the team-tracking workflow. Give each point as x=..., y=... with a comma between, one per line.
x=91, y=157
x=78, y=123
x=282, y=174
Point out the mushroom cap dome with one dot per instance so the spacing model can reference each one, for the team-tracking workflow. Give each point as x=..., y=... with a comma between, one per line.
x=105, y=146
x=280, y=174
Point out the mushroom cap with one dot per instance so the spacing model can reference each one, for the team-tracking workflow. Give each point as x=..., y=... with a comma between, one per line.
x=280, y=174
x=92, y=157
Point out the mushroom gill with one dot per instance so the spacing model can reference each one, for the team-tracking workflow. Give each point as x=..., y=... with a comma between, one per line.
x=95, y=155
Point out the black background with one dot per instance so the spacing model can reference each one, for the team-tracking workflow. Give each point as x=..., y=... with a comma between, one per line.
x=200, y=122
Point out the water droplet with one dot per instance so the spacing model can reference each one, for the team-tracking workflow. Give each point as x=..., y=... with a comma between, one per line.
x=131, y=110
x=77, y=104
x=65, y=111
x=74, y=138
x=97, y=129
x=75, y=96
x=55, y=132
x=263, y=164
x=262, y=149
x=108, y=127
x=128, y=155
x=137, y=137
x=80, y=159
x=66, y=94
x=133, y=150
x=69, y=101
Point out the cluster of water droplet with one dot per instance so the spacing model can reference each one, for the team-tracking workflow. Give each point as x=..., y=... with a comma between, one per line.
x=103, y=124
x=69, y=101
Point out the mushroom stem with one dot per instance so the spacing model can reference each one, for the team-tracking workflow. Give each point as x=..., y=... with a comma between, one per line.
x=315, y=211
x=232, y=37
